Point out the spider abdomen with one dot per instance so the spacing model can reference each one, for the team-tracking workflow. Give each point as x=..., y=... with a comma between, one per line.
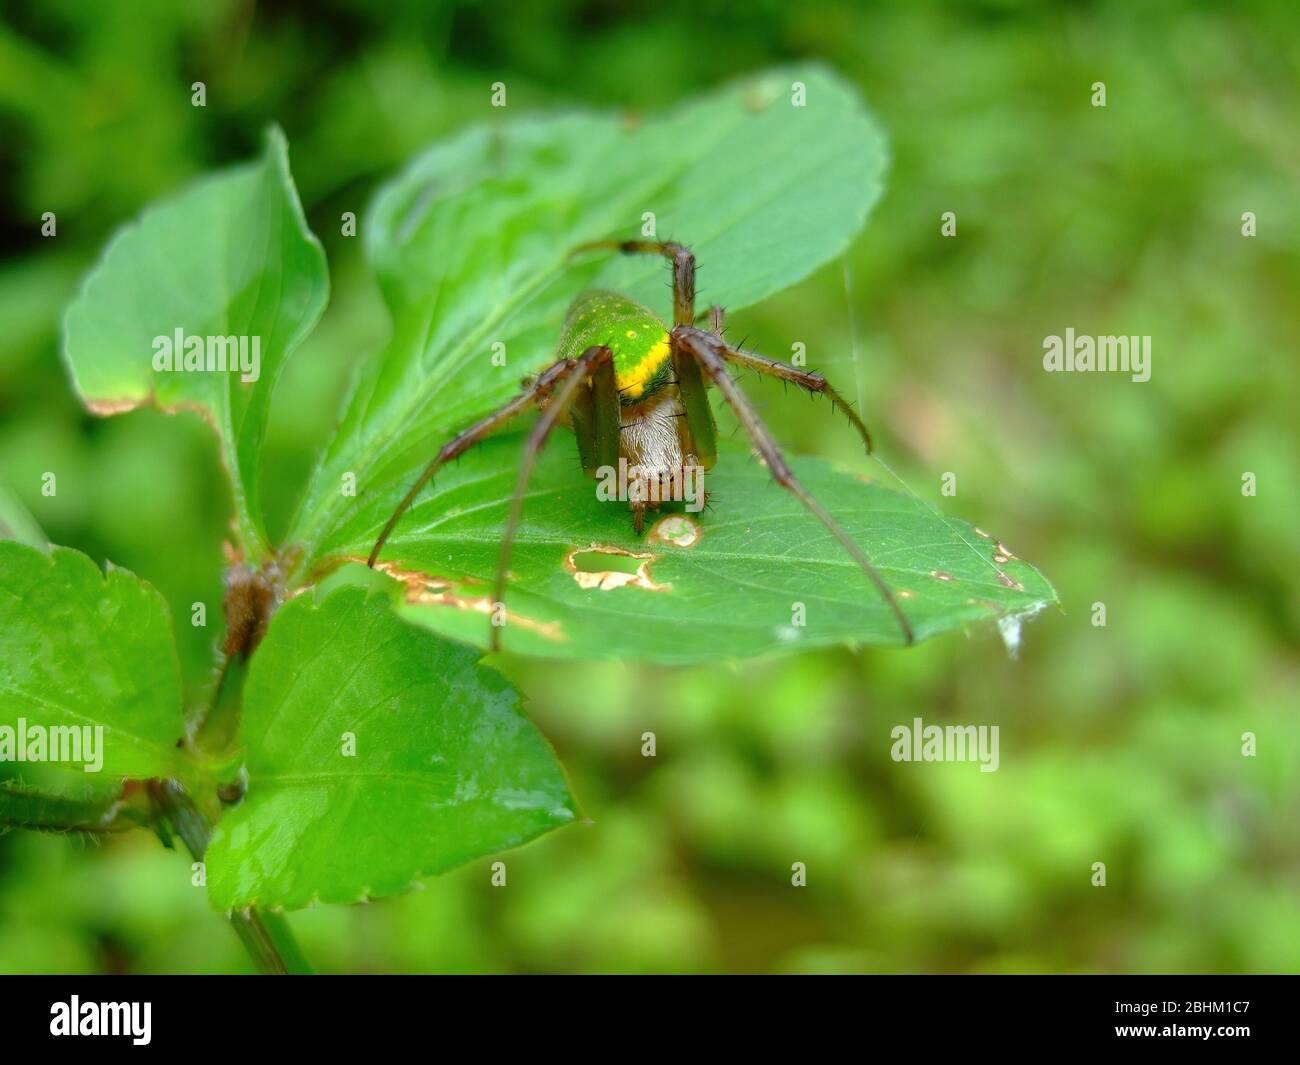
x=633, y=332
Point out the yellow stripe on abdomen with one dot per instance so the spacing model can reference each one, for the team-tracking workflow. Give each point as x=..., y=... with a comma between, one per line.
x=632, y=379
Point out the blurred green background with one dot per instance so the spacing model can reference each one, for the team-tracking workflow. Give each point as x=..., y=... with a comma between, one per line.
x=1119, y=744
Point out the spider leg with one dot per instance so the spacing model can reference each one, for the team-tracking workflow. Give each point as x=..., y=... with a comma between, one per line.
x=709, y=351
x=595, y=417
x=570, y=376
x=697, y=430
x=683, y=269
x=813, y=382
x=538, y=388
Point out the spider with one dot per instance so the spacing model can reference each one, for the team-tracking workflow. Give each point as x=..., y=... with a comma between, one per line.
x=633, y=389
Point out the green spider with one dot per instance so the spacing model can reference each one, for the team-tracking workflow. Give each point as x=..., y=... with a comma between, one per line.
x=632, y=388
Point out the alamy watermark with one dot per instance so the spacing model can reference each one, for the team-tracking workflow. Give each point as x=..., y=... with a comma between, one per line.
x=208, y=354
x=1109, y=354
x=920, y=742
x=77, y=1018
x=75, y=744
x=632, y=484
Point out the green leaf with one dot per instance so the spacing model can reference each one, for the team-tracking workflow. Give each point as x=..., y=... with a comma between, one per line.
x=445, y=767
x=230, y=257
x=83, y=648
x=732, y=592
x=17, y=523
x=470, y=244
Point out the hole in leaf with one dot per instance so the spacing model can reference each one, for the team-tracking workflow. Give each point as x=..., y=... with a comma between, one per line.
x=607, y=568
x=604, y=562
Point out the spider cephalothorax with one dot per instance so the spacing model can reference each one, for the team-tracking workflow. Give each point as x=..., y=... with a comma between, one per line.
x=635, y=392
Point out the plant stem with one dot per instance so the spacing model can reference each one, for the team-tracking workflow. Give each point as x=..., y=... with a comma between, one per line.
x=250, y=598
x=266, y=936
x=216, y=732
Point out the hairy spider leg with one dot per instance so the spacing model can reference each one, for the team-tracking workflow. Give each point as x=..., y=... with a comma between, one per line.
x=693, y=395
x=595, y=416
x=683, y=269
x=812, y=382
x=570, y=382
x=537, y=389
x=684, y=314
x=708, y=352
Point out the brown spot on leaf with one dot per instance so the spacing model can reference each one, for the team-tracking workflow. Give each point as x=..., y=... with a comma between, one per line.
x=676, y=530
x=1002, y=554
x=416, y=582
x=1010, y=582
x=106, y=408
x=423, y=589
x=941, y=575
